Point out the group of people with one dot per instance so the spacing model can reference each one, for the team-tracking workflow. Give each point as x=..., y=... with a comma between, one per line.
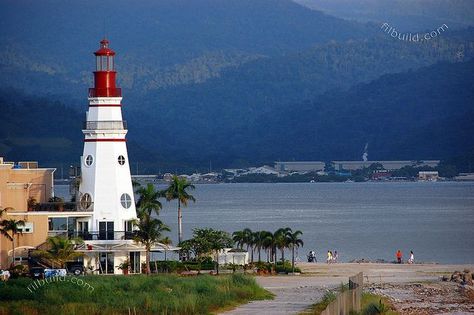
x=331, y=258
x=399, y=256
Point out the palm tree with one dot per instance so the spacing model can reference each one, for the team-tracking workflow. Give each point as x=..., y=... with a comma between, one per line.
x=260, y=240
x=148, y=199
x=281, y=240
x=177, y=190
x=268, y=244
x=294, y=240
x=239, y=238
x=10, y=228
x=247, y=240
x=149, y=231
x=60, y=250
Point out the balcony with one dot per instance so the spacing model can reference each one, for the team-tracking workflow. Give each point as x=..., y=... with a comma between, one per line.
x=105, y=92
x=105, y=125
x=102, y=235
x=61, y=206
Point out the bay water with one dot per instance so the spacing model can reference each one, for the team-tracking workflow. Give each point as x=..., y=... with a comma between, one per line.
x=360, y=220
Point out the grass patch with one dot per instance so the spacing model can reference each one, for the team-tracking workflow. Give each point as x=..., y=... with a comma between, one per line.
x=161, y=294
x=318, y=308
x=371, y=304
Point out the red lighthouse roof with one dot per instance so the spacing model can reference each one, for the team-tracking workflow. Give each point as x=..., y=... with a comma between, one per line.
x=104, y=49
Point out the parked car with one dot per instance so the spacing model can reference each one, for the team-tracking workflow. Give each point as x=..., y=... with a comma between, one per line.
x=37, y=273
x=75, y=267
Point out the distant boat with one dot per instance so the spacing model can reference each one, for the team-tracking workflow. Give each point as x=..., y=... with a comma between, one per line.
x=349, y=181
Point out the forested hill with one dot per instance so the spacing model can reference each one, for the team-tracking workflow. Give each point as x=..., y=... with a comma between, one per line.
x=47, y=46
x=43, y=129
x=417, y=114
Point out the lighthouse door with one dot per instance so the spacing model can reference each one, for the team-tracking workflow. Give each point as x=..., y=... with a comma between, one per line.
x=106, y=230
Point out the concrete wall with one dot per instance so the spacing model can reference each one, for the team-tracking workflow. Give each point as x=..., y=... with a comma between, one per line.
x=37, y=237
x=17, y=185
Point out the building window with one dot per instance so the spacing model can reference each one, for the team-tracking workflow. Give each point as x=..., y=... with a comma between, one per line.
x=121, y=160
x=27, y=227
x=89, y=160
x=57, y=224
x=86, y=201
x=135, y=262
x=126, y=201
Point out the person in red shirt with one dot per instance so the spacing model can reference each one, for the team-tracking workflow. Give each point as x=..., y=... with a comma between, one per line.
x=399, y=256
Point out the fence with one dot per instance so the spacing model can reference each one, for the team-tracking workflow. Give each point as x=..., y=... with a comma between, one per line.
x=348, y=300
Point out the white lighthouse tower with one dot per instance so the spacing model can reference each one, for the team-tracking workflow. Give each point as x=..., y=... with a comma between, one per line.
x=106, y=185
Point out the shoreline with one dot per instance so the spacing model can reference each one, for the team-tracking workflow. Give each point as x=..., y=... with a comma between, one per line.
x=294, y=294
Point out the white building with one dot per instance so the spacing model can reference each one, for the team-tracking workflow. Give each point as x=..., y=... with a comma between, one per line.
x=299, y=166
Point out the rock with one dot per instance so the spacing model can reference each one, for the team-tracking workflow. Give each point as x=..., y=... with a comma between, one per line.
x=467, y=278
x=444, y=278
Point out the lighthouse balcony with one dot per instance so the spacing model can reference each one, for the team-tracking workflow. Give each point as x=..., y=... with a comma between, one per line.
x=103, y=235
x=61, y=207
x=105, y=125
x=105, y=92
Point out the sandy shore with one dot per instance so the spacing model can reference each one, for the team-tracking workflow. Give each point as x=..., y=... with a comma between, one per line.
x=401, y=283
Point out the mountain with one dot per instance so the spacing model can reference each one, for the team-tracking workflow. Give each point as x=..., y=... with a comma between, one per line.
x=240, y=98
x=419, y=114
x=200, y=78
x=404, y=15
x=47, y=46
x=413, y=115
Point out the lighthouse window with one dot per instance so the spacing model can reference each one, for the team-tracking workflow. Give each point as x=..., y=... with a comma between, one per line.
x=86, y=201
x=121, y=160
x=126, y=201
x=89, y=160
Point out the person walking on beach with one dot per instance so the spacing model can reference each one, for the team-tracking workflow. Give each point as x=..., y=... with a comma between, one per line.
x=336, y=256
x=329, y=260
x=411, y=260
x=399, y=256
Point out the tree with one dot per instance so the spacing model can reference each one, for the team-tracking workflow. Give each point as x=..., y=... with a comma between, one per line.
x=248, y=240
x=294, y=240
x=178, y=190
x=148, y=199
x=281, y=240
x=10, y=228
x=239, y=238
x=207, y=242
x=149, y=231
x=60, y=250
x=261, y=238
x=219, y=241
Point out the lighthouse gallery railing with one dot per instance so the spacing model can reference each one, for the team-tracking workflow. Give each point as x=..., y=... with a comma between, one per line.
x=105, y=125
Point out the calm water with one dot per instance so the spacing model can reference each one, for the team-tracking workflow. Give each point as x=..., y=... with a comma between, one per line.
x=359, y=220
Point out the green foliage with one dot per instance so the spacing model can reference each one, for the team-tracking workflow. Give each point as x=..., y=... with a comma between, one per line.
x=59, y=250
x=148, y=199
x=206, y=241
x=163, y=294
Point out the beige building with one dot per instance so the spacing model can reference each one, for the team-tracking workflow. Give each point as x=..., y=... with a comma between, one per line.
x=18, y=184
x=428, y=175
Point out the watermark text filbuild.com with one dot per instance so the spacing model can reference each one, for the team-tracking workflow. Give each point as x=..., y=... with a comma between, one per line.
x=59, y=279
x=409, y=37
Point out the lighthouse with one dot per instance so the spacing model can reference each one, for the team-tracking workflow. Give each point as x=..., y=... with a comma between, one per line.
x=105, y=188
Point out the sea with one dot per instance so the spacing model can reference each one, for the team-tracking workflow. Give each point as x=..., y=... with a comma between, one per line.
x=369, y=220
